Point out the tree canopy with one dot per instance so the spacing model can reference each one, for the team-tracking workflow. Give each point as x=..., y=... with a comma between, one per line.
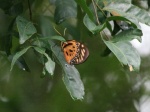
x=33, y=69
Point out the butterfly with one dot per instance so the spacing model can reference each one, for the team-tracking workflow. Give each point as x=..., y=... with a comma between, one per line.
x=74, y=52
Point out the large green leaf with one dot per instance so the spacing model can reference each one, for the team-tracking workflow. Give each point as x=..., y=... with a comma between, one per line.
x=49, y=65
x=128, y=35
x=25, y=28
x=125, y=53
x=71, y=76
x=18, y=55
x=128, y=10
x=65, y=9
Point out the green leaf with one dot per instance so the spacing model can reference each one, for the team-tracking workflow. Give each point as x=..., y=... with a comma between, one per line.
x=128, y=35
x=40, y=42
x=71, y=76
x=60, y=38
x=108, y=25
x=85, y=8
x=129, y=11
x=25, y=28
x=17, y=55
x=92, y=26
x=49, y=65
x=43, y=72
x=125, y=53
x=21, y=63
x=65, y=9
x=73, y=82
x=120, y=18
x=97, y=28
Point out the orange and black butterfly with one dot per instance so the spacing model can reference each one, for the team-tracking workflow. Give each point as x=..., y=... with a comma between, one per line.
x=74, y=52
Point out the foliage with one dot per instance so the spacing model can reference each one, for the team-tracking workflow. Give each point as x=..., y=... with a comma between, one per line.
x=113, y=23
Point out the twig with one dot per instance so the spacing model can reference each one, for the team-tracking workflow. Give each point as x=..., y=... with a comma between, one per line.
x=65, y=31
x=95, y=10
x=57, y=31
x=94, y=3
x=100, y=8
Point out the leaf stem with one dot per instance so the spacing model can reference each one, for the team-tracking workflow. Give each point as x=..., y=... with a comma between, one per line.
x=100, y=9
x=95, y=10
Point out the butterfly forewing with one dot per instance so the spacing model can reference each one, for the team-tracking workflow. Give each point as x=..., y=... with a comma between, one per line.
x=74, y=52
x=69, y=50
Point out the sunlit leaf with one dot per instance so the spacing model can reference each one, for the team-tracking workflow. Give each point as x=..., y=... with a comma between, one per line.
x=129, y=11
x=128, y=35
x=25, y=28
x=125, y=53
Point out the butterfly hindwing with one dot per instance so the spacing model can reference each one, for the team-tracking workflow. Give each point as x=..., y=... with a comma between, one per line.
x=82, y=54
x=74, y=52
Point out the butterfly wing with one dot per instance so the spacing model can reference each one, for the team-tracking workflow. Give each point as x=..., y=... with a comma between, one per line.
x=82, y=54
x=69, y=49
x=74, y=52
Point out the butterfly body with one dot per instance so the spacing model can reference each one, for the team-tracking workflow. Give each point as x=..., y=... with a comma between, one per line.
x=74, y=52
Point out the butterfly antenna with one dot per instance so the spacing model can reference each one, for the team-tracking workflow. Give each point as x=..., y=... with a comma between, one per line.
x=65, y=31
x=57, y=31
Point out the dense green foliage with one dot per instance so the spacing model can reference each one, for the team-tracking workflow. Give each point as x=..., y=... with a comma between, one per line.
x=33, y=68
